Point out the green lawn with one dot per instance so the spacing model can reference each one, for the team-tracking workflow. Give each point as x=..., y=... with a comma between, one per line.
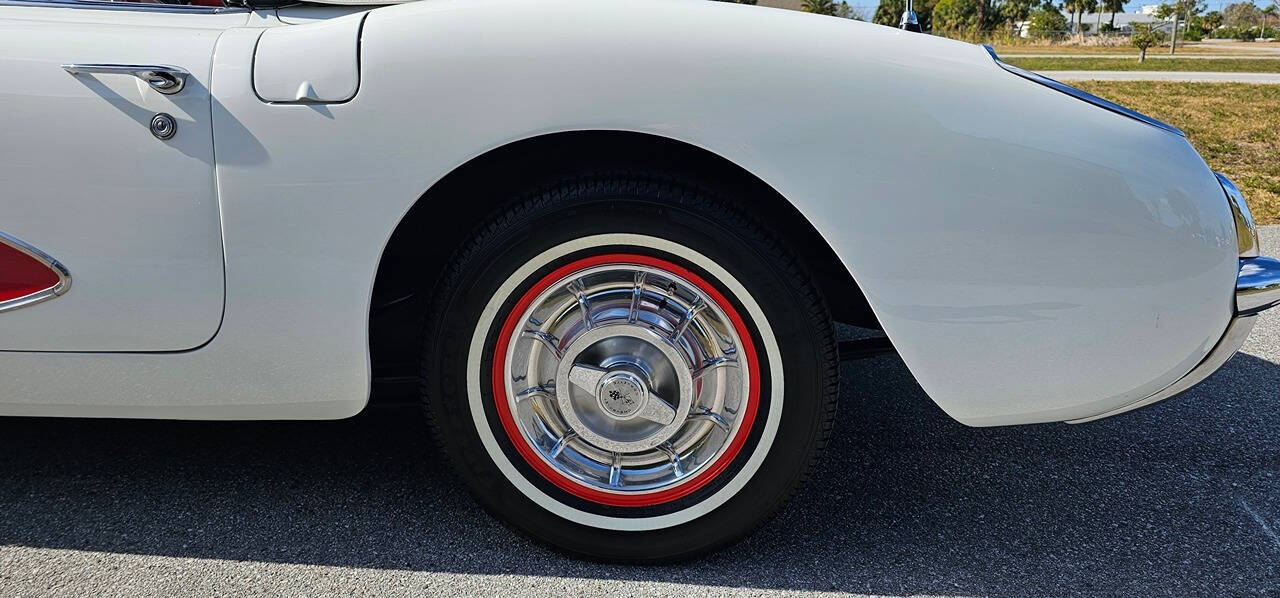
x=1235, y=126
x=1086, y=63
x=1216, y=48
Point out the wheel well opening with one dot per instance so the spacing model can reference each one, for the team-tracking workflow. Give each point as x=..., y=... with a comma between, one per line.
x=449, y=213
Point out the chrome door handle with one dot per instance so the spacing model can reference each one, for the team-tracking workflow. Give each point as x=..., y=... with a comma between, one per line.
x=164, y=79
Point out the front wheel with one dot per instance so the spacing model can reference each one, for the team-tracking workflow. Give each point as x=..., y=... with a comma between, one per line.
x=629, y=369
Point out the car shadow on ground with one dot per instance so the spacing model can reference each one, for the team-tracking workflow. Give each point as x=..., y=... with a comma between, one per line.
x=1180, y=498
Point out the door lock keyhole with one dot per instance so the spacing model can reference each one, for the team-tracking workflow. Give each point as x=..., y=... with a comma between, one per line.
x=163, y=126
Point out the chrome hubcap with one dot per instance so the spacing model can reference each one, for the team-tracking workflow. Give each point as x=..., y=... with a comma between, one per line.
x=610, y=387
x=626, y=378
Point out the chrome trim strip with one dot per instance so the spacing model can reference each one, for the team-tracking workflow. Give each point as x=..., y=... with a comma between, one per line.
x=1081, y=95
x=57, y=290
x=1246, y=232
x=135, y=6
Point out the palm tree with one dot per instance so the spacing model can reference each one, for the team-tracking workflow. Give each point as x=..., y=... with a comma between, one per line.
x=1076, y=8
x=1113, y=7
x=1213, y=20
x=822, y=7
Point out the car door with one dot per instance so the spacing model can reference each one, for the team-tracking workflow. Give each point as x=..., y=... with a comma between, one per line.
x=107, y=167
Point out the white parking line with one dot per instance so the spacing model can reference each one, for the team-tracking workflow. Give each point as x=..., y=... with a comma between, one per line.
x=1261, y=523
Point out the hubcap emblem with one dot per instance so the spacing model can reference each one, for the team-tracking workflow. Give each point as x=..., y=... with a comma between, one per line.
x=621, y=394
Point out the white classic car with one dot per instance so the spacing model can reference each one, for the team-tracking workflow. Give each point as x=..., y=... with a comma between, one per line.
x=608, y=239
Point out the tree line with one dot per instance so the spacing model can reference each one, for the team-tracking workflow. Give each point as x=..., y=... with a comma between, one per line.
x=1047, y=18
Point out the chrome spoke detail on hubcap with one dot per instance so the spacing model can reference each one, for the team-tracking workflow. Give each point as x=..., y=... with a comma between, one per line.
x=535, y=391
x=562, y=442
x=673, y=456
x=711, y=417
x=580, y=291
x=636, y=294
x=550, y=342
x=711, y=364
x=626, y=378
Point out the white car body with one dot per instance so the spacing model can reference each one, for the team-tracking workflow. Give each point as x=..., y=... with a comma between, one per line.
x=1031, y=256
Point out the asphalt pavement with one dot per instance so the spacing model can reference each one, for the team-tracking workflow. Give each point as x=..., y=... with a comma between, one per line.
x=1182, y=498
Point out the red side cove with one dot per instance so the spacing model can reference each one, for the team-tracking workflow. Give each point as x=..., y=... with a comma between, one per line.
x=22, y=275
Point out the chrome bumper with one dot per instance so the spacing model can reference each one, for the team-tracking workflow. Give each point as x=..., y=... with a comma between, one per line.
x=1257, y=290
x=1257, y=286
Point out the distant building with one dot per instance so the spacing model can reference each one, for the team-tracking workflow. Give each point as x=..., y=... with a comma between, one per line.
x=1125, y=20
x=1124, y=23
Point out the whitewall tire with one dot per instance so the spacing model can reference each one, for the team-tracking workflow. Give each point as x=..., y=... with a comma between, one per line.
x=604, y=367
